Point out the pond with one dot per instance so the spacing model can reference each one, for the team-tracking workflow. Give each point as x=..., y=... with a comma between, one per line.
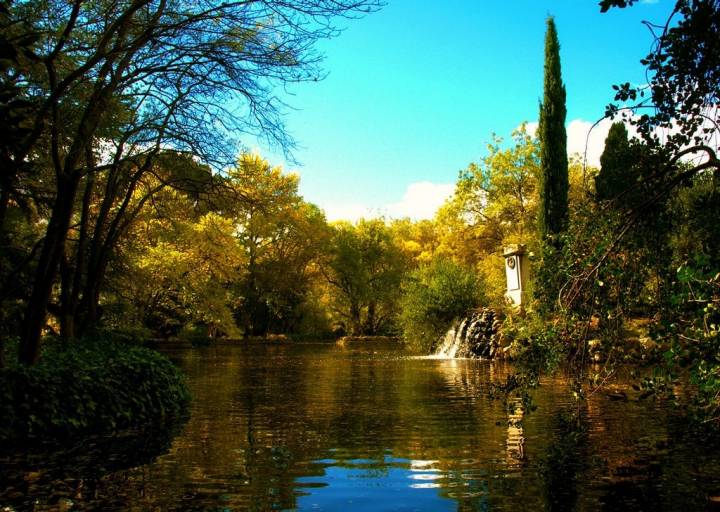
x=319, y=427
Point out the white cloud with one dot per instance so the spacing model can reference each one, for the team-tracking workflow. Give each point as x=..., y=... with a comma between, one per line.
x=531, y=128
x=587, y=141
x=347, y=211
x=578, y=140
x=421, y=200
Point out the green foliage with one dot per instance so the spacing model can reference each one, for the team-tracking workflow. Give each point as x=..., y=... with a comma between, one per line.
x=696, y=230
x=653, y=250
x=548, y=279
x=629, y=179
x=434, y=295
x=657, y=260
x=535, y=345
x=684, y=88
x=364, y=268
x=554, y=183
x=600, y=277
x=131, y=336
x=182, y=272
x=497, y=197
x=282, y=237
x=239, y=260
x=91, y=386
x=691, y=337
x=615, y=162
x=494, y=204
x=101, y=90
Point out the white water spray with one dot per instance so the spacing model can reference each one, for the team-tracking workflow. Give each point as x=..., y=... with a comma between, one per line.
x=475, y=336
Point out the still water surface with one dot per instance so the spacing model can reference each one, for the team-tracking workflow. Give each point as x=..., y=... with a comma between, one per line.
x=317, y=427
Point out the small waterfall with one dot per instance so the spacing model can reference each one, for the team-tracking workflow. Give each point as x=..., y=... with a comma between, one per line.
x=475, y=336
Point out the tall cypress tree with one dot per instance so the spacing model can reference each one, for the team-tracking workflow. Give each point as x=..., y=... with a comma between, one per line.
x=614, y=164
x=553, y=212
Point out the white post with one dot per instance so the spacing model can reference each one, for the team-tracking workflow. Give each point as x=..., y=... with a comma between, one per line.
x=516, y=272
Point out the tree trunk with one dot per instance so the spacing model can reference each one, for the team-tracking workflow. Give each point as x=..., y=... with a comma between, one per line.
x=80, y=270
x=370, y=327
x=90, y=306
x=7, y=182
x=4, y=202
x=355, y=318
x=67, y=305
x=52, y=251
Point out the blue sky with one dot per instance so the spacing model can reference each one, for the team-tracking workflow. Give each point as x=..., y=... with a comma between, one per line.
x=414, y=92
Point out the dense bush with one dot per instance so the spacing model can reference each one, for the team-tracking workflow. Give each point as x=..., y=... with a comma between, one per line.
x=660, y=264
x=89, y=387
x=691, y=337
x=433, y=296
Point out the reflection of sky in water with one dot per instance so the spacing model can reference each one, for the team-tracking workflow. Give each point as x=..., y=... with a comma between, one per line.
x=310, y=427
x=362, y=484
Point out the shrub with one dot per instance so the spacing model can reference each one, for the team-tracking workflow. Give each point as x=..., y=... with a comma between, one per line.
x=433, y=296
x=691, y=336
x=535, y=345
x=89, y=386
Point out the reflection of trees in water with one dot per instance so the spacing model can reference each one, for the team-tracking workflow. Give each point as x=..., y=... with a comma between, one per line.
x=236, y=451
x=565, y=460
x=475, y=451
x=436, y=410
x=614, y=456
x=366, y=408
x=653, y=461
x=79, y=474
x=289, y=410
x=255, y=426
x=264, y=417
x=468, y=378
x=515, y=433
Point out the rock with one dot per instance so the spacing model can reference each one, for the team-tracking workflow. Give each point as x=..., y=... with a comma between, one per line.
x=476, y=336
x=617, y=395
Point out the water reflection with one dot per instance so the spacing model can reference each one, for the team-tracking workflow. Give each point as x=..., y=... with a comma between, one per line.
x=69, y=477
x=515, y=433
x=319, y=428
x=388, y=484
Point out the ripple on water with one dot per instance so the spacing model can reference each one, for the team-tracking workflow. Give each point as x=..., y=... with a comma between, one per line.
x=319, y=428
